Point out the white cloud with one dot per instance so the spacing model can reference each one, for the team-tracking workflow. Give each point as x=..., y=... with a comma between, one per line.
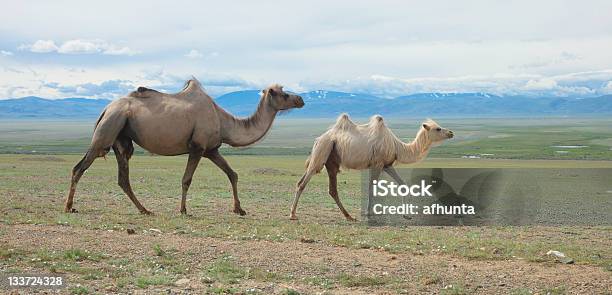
x=388, y=48
x=6, y=53
x=193, y=53
x=608, y=88
x=81, y=46
x=563, y=58
x=114, y=50
x=40, y=46
x=78, y=46
x=541, y=84
x=105, y=89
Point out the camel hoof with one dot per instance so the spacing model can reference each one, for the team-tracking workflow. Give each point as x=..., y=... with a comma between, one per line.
x=71, y=210
x=350, y=218
x=239, y=211
x=293, y=218
x=184, y=211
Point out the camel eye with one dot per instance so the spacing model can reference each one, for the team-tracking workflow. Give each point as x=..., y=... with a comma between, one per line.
x=285, y=96
x=438, y=129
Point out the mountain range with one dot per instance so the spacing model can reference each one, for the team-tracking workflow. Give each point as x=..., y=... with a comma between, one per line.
x=323, y=104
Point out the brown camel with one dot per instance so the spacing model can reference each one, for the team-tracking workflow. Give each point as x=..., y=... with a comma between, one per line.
x=188, y=122
x=369, y=146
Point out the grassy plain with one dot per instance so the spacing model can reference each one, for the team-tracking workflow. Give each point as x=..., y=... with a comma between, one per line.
x=38, y=237
x=499, y=138
x=214, y=251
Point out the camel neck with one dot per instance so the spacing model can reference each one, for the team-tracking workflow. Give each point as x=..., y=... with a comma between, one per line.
x=246, y=131
x=416, y=150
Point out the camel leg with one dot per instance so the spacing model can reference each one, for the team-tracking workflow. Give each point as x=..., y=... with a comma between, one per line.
x=390, y=170
x=374, y=175
x=192, y=164
x=300, y=188
x=77, y=172
x=398, y=179
x=216, y=158
x=333, y=168
x=122, y=154
x=320, y=155
x=108, y=127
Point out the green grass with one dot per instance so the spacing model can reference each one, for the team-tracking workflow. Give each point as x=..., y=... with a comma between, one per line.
x=348, y=280
x=431, y=280
x=222, y=290
x=521, y=291
x=37, y=189
x=290, y=292
x=154, y=280
x=321, y=281
x=79, y=290
x=454, y=289
x=158, y=250
x=75, y=254
x=225, y=271
x=8, y=254
x=554, y=291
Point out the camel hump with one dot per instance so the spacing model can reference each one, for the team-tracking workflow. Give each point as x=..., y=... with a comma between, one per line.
x=192, y=85
x=344, y=122
x=144, y=89
x=142, y=92
x=377, y=121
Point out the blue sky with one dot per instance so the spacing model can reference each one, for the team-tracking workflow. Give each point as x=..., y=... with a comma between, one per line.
x=86, y=49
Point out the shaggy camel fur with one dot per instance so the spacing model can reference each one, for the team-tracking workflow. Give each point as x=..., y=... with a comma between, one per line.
x=188, y=122
x=369, y=146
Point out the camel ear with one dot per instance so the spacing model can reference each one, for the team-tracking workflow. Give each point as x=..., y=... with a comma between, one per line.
x=271, y=92
x=427, y=127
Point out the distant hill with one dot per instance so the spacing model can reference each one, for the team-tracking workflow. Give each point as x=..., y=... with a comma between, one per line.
x=36, y=107
x=322, y=103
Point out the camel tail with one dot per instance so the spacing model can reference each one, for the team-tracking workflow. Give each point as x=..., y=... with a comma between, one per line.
x=100, y=119
x=106, y=149
x=107, y=128
x=320, y=152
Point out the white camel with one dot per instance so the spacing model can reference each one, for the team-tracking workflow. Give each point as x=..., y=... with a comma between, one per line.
x=369, y=146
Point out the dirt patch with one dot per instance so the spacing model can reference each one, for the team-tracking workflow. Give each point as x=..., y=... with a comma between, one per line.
x=274, y=267
x=43, y=159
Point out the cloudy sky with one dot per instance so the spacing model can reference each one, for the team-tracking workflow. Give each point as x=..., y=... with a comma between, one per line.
x=106, y=48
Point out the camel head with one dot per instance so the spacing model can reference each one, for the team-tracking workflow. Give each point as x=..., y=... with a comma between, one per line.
x=281, y=100
x=436, y=132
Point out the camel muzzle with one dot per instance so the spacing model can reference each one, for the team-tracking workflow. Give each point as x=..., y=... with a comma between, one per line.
x=451, y=134
x=300, y=102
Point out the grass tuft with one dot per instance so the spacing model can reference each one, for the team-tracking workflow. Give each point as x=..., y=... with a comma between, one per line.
x=156, y=280
x=224, y=270
x=158, y=250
